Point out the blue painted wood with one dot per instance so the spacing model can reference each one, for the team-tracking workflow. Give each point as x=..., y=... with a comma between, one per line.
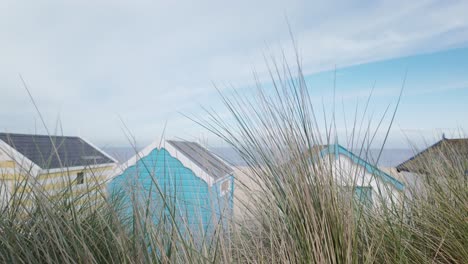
x=363, y=194
x=177, y=195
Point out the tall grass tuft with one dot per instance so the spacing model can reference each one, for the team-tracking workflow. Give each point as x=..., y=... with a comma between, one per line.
x=295, y=210
x=292, y=209
x=67, y=226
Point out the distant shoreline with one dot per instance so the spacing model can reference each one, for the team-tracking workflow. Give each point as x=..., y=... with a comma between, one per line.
x=389, y=157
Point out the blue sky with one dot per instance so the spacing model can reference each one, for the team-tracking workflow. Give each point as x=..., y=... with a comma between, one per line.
x=88, y=63
x=434, y=101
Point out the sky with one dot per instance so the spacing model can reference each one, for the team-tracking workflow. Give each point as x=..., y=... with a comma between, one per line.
x=94, y=67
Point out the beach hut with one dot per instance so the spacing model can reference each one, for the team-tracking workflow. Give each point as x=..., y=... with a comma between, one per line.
x=370, y=184
x=443, y=152
x=51, y=164
x=178, y=182
x=444, y=155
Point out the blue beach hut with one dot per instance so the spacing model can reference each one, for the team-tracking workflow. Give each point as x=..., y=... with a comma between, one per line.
x=178, y=182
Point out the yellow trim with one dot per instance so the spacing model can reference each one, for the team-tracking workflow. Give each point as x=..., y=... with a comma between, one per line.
x=27, y=201
x=92, y=182
x=72, y=172
x=7, y=164
x=11, y=177
x=46, y=176
x=77, y=194
x=62, y=186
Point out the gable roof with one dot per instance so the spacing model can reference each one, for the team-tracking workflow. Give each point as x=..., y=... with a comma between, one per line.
x=444, y=149
x=206, y=160
x=71, y=151
x=203, y=163
x=337, y=149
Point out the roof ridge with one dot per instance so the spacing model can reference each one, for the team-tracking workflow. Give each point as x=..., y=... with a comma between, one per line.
x=443, y=143
x=401, y=166
x=211, y=163
x=456, y=139
x=55, y=151
x=37, y=135
x=182, y=141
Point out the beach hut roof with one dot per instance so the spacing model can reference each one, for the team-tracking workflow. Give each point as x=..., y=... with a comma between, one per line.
x=192, y=155
x=53, y=152
x=442, y=150
x=205, y=159
x=336, y=149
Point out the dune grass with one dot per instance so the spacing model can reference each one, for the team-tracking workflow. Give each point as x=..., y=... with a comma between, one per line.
x=296, y=211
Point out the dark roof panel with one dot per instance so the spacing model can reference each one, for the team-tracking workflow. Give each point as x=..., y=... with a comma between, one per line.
x=71, y=151
x=206, y=160
x=445, y=150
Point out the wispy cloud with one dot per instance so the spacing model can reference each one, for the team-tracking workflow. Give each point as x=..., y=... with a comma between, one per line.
x=147, y=60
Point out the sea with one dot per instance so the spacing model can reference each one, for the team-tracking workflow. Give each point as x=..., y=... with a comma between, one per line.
x=388, y=157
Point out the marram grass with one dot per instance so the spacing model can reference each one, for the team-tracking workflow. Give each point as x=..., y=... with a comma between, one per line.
x=293, y=211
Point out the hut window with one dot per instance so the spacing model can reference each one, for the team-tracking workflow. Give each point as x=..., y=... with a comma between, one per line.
x=363, y=194
x=225, y=187
x=80, y=178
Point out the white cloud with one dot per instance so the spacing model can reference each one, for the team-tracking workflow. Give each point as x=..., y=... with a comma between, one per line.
x=146, y=60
